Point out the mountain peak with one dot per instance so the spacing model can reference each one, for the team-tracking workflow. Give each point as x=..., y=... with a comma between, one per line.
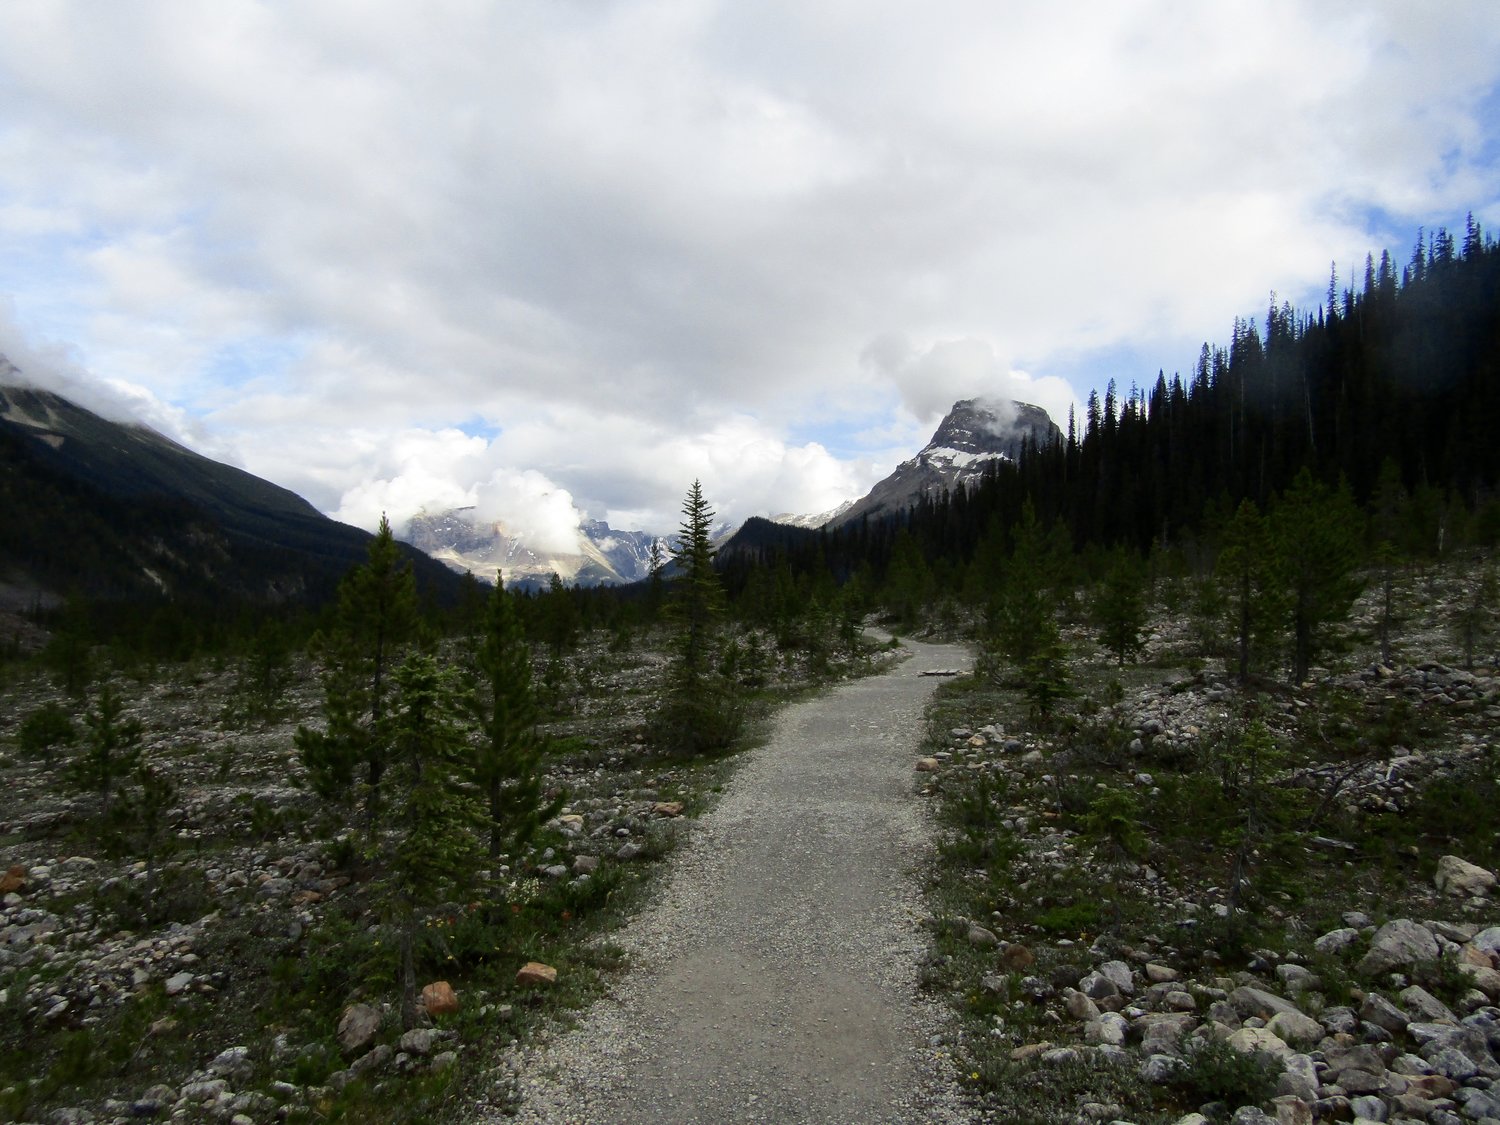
x=976, y=433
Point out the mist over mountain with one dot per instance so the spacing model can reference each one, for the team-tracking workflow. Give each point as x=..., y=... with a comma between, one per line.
x=464, y=542
x=115, y=509
x=975, y=435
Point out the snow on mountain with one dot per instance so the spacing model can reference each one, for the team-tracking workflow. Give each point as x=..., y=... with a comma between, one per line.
x=605, y=556
x=813, y=522
x=975, y=434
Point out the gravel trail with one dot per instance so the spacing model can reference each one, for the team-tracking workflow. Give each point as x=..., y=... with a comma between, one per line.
x=775, y=978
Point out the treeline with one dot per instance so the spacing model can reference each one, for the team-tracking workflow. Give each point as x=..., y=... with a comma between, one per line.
x=1392, y=384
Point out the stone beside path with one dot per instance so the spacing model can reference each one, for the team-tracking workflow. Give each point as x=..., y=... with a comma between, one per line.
x=775, y=977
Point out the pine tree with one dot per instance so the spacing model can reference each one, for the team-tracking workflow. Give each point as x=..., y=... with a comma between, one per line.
x=139, y=823
x=1120, y=607
x=111, y=748
x=1316, y=533
x=432, y=852
x=698, y=597
x=377, y=618
x=1247, y=566
x=503, y=706
x=1022, y=620
x=700, y=711
x=1472, y=620
x=45, y=729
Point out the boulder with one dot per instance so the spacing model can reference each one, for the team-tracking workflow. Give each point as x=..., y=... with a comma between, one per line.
x=1294, y=1027
x=1258, y=1002
x=667, y=808
x=927, y=765
x=535, y=973
x=1017, y=957
x=1376, y=1009
x=1399, y=944
x=439, y=999
x=1120, y=975
x=420, y=1041
x=1424, y=1006
x=1457, y=876
x=13, y=881
x=979, y=936
x=1336, y=941
x=1248, y=1039
x=358, y=1027
x=232, y=1062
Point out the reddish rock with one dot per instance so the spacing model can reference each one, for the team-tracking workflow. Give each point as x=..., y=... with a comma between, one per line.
x=534, y=972
x=927, y=765
x=13, y=880
x=439, y=999
x=667, y=808
x=1017, y=957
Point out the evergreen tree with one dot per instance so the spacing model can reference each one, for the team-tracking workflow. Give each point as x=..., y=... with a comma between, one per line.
x=1472, y=619
x=377, y=618
x=1247, y=566
x=45, y=729
x=1120, y=607
x=698, y=597
x=1316, y=533
x=140, y=824
x=559, y=617
x=111, y=748
x=432, y=852
x=699, y=711
x=1022, y=621
x=268, y=668
x=908, y=580
x=503, y=706
x=70, y=652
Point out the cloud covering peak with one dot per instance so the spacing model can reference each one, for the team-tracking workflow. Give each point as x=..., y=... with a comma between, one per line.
x=549, y=255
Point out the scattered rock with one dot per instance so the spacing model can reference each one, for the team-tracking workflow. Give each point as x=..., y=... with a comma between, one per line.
x=1399, y=944
x=358, y=1027
x=439, y=999
x=534, y=972
x=1456, y=876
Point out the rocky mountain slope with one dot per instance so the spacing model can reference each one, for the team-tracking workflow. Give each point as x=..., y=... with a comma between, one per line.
x=604, y=556
x=975, y=434
x=117, y=509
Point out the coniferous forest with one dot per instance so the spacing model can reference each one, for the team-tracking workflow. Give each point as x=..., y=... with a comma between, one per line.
x=1389, y=390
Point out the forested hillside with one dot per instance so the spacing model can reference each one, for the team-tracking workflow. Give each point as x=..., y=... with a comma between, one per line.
x=1391, y=388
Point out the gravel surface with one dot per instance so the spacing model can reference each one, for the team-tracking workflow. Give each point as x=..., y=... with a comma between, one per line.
x=775, y=978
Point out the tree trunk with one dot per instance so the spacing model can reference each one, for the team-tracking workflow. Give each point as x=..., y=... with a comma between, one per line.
x=409, y=1016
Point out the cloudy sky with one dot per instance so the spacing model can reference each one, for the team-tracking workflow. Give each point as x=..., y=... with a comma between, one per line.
x=560, y=257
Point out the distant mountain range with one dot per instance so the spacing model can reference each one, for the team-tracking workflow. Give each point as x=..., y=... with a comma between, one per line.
x=974, y=435
x=117, y=510
x=604, y=556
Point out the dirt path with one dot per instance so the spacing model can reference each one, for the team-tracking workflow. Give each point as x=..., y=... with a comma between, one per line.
x=775, y=979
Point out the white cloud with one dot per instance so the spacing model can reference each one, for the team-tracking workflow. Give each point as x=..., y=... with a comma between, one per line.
x=638, y=243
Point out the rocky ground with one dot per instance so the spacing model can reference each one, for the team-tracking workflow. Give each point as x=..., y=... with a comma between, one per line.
x=239, y=972
x=1183, y=896
x=1190, y=901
